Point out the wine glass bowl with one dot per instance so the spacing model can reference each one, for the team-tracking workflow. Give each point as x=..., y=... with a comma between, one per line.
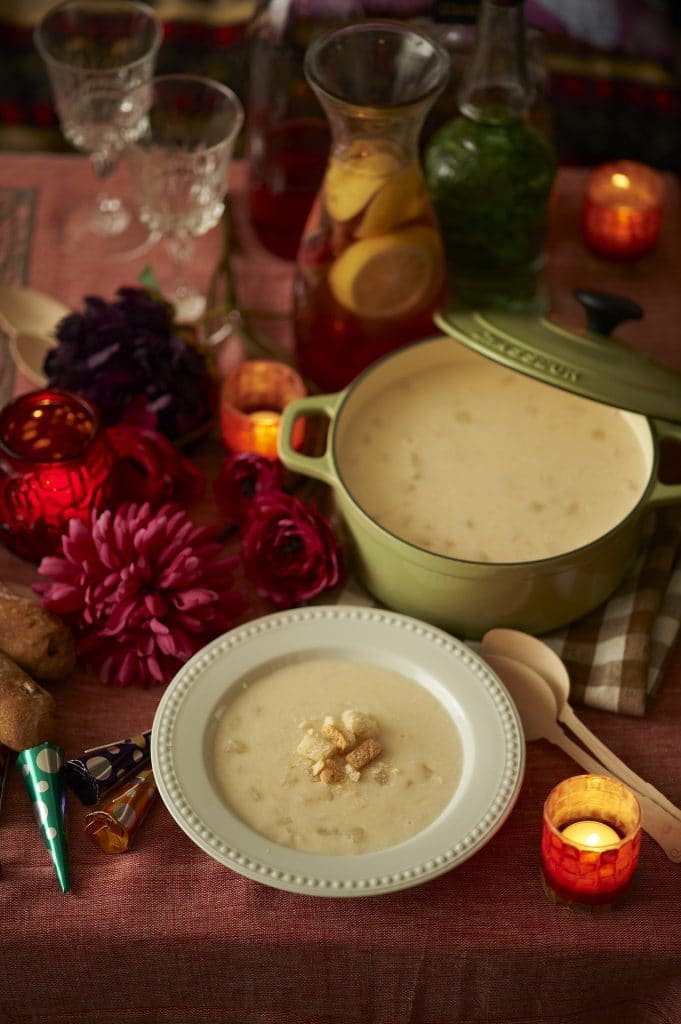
x=179, y=166
x=97, y=54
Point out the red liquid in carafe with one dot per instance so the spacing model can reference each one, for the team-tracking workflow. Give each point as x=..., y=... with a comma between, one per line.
x=285, y=179
x=370, y=270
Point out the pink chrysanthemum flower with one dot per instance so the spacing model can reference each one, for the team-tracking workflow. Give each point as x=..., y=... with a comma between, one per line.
x=142, y=589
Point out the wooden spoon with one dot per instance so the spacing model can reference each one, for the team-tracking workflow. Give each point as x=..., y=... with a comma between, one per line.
x=538, y=713
x=539, y=656
x=29, y=317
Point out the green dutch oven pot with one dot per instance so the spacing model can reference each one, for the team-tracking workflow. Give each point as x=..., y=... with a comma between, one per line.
x=468, y=598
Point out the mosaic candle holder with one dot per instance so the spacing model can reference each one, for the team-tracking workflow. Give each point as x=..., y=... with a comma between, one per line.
x=55, y=465
x=253, y=396
x=591, y=838
x=622, y=212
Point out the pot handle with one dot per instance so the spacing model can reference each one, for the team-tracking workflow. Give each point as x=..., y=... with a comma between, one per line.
x=666, y=494
x=320, y=467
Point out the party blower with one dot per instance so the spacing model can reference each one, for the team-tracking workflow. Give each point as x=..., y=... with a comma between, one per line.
x=28, y=727
x=42, y=769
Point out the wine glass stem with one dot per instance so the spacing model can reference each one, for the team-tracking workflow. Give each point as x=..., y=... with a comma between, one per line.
x=181, y=249
x=110, y=216
x=189, y=304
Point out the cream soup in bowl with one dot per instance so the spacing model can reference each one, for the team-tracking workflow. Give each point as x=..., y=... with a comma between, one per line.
x=476, y=462
x=476, y=722
x=336, y=757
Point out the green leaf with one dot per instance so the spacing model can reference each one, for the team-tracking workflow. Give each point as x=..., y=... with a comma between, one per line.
x=149, y=280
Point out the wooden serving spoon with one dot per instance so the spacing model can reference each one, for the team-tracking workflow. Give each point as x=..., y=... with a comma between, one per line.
x=539, y=715
x=539, y=656
x=29, y=318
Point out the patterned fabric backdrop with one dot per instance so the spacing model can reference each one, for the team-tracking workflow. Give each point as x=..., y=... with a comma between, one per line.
x=600, y=103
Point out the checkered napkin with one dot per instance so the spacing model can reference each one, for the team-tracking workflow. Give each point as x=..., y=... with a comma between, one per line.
x=616, y=655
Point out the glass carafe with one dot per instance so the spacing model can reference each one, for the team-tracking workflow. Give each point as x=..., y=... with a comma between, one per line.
x=370, y=270
x=287, y=135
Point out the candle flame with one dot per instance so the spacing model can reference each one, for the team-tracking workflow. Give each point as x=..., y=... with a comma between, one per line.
x=620, y=180
x=595, y=834
x=592, y=839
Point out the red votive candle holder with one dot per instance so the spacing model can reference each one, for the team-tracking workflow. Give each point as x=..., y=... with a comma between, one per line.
x=591, y=838
x=622, y=211
x=55, y=465
x=253, y=396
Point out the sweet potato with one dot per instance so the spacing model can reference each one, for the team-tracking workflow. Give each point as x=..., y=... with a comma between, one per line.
x=38, y=641
x=27, y=712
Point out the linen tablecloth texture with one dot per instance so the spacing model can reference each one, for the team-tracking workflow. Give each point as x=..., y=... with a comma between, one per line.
x=166, y=934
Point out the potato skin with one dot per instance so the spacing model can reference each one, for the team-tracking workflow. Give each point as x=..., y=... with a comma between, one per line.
x=38, y=641
x=27, y=712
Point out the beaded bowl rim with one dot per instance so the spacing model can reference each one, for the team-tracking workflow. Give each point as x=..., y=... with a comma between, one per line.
x=482, y=710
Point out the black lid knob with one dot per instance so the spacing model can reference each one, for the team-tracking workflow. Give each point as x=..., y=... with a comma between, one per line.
x=605, y=311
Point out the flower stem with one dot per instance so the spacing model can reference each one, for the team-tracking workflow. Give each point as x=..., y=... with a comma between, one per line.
x=223, y=282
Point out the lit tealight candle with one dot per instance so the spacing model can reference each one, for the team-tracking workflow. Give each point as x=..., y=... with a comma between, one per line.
x=254, y=395
x=591, y=833
x=622, y=212
x=591, y=837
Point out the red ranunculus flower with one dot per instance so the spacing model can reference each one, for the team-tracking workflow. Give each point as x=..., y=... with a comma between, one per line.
x=290, y=552
x=243, y=477
x=142, y=589
x=150, y=468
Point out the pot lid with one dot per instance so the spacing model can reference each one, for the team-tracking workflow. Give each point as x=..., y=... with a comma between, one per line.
x=590, y=364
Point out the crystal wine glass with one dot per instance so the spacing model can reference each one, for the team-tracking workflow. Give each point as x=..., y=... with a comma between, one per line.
x=97, y=52
x=179, y=167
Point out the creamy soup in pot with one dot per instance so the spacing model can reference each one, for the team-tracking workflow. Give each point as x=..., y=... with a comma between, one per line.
x=335, y=756
x=477, y=462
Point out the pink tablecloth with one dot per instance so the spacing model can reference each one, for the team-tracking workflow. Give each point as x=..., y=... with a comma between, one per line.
x=166, y=934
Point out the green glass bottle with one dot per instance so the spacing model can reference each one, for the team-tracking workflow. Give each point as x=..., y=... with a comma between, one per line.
x=490, y=171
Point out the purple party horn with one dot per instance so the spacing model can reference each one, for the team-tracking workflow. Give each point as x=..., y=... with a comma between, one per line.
x=98, y=769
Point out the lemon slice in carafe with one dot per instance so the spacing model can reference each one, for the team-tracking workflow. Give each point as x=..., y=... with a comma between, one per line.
x=402, y=197
x=390, y=275
x=352, y=180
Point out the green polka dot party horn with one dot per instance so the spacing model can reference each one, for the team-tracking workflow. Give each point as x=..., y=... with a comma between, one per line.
x=5, y=760
x=114, y=824
x=42, y=769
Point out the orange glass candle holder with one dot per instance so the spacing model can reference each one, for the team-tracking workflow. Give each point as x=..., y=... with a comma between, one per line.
x=253, y=396
x=591, y=838
x=55, y=465
x=622, y=211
